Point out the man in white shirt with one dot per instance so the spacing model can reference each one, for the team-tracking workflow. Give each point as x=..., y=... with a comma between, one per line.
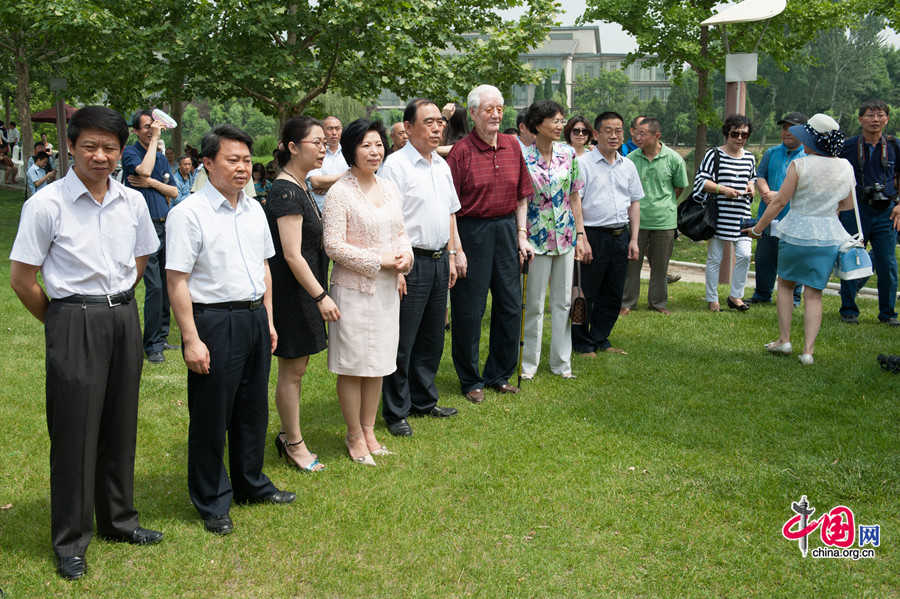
x=611, y=210
x=429, y=206
x=12, y=136
x=333, y=165
x=399, y=137
x=90, y=238
x=37, y=174
x=217, y=245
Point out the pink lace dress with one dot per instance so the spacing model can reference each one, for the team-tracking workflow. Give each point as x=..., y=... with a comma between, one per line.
x=363, y=342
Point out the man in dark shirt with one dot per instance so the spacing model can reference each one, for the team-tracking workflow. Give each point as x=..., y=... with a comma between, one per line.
x=493, y=186
x=147, y=170
x=874, y=159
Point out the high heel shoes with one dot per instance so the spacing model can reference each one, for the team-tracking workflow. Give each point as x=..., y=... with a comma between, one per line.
x=365, y=460
x=281, y=446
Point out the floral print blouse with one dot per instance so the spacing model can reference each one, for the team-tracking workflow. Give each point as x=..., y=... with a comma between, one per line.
x=551, y=222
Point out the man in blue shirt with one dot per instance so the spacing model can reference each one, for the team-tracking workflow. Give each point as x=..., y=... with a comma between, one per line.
x=183, y=178
x=146, y=169
x=630, y=146
x=771, y=170
x=874, y=159
x=37, y=175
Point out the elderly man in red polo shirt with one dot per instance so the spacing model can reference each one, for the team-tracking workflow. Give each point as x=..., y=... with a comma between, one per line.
x=493, y=186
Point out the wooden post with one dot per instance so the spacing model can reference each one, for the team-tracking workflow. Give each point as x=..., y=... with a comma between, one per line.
x=62, y=164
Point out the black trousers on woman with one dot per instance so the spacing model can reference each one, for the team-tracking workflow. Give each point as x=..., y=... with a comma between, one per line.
x=93, y=359
x=232, y=400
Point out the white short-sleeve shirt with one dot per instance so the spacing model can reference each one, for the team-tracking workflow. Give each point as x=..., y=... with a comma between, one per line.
x=332, y=164
x=429, y=197
x=224, y=249
x=84, y=247
x=609, y=189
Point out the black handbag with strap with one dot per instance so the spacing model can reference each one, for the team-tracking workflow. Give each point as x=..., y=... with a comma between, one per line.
x=698, y=213
x=578, y=307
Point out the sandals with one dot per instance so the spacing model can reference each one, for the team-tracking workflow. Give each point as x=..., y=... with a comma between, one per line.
x=282, y=447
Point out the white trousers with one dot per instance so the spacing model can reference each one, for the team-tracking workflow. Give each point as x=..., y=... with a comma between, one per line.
x=714, y=251
x=557, y=272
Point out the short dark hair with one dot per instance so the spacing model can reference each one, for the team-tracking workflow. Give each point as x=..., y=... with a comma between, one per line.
x=12, y=123
x=182, y=157
x=736, y=121
x=41, y=156
x=39, y=143
x=636, y=120
x=874, y=104
x=212, y=141
x=567, y=130
x=294, y=130
x=353, y=134
x=607, y=116
x=412, y=109
x=100, y=118
x=652, y=123
x=520, y=117
x=258, y=168
x=136, y=119
x=539, y=111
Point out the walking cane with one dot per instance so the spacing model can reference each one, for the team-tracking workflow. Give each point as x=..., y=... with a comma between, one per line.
x=522, y=327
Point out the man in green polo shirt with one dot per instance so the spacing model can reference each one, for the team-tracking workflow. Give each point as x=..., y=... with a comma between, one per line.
x=663, y=176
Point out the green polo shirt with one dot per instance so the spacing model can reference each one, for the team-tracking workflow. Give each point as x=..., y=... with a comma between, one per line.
x=659, y=178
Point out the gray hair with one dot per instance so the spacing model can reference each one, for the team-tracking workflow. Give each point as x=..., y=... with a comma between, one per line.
x=475, y=96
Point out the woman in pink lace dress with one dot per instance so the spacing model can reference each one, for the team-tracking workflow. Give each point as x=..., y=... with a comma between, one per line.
x=365, y=237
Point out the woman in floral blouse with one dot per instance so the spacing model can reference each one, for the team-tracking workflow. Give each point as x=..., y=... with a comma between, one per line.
x=556, y=232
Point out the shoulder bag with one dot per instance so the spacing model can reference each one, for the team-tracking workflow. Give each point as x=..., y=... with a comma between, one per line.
x=853, y=261
x=698, y=213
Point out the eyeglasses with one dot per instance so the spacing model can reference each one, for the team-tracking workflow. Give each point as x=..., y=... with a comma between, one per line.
x=316, y=142
x=558, y=121
x=492, y=109
x=739, y=134
x=580, y=131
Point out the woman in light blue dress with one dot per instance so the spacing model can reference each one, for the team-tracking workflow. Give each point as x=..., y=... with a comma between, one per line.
x=817, y=186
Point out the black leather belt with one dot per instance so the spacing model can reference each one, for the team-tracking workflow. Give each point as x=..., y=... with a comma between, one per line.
x=112, y=300
x=614, y=231
x=159, y=220
x=245, y=305
x=433, y=254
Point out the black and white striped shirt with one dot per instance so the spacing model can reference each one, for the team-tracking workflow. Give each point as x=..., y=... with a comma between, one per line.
x=734, y=173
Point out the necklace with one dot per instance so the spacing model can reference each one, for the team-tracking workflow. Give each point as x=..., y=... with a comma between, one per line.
x=305, y=192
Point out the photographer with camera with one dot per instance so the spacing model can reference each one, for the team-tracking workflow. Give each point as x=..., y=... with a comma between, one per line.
x=874, y=159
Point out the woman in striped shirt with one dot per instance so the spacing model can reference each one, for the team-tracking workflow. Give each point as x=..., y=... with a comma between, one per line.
x=731, y=185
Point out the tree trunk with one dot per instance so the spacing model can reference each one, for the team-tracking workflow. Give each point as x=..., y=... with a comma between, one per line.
x=23, y=104
x=702, y=93
x=177, y=106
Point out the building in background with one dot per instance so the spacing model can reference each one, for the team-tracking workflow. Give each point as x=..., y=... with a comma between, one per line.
x=577, y=52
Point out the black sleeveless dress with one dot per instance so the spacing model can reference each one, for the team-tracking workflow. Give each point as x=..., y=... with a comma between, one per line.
x=300, y=328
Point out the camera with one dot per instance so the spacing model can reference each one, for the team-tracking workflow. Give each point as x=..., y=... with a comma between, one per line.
x=874, y=195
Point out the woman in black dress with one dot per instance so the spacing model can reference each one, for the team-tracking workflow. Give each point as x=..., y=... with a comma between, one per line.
x=299, y=268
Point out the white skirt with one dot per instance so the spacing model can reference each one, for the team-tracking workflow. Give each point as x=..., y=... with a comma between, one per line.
x=363, y=341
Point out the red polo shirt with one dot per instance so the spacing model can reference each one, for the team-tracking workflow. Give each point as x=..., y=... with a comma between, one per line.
x=489, y=181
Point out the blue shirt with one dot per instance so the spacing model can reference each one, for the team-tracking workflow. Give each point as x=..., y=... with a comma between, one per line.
x=628, y=146
x=873, y=171
x=183, y=184
x=132, y=156
x=773, y=168
x=33, y=174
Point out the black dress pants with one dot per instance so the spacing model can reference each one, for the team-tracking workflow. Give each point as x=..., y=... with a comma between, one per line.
x=492, y=252
x=603, y=282
x=422, y=311
x=93, y=360
x=232, y=399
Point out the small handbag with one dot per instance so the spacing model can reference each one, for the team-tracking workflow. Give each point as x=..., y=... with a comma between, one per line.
x=698, y=213
x=853, y=261
x=578, y=307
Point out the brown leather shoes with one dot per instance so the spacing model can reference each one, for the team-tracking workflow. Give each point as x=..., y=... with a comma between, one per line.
x=475, y=395
x=505, y=388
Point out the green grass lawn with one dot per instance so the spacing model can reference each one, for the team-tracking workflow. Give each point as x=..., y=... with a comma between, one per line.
x=668, y=472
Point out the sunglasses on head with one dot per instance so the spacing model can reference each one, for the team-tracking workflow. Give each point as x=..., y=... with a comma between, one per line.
x=739, y=134
x=579, y=131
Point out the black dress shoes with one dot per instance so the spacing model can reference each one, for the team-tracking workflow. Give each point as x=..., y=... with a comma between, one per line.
x=442, y=412
x=504, y=388
x=219, y=525
x=278, y=497
x=71, y=567
x=139, y=536
x=401, y=428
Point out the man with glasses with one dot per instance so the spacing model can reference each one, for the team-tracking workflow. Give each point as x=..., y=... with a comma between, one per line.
x=611, y=209
x=771, y=172
x=874, y=159
x=333, y=165
x=493, y=185
x=663, y=177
